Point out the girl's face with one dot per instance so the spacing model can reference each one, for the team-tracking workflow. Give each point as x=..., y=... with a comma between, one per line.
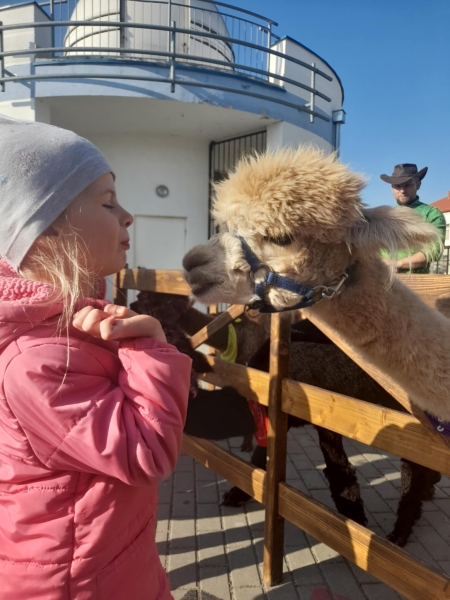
x=102, y=224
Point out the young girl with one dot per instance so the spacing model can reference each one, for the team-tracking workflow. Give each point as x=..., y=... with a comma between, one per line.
x=92, y=398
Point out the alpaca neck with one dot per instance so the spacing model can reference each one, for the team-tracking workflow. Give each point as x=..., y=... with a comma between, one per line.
x=394, y=330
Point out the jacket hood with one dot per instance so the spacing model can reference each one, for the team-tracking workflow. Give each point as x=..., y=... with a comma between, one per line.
x=25, y=304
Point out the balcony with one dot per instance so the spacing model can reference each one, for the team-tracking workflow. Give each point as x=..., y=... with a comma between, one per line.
x=167, y=44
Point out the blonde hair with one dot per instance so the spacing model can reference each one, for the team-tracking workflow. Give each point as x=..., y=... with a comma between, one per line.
x=59, y=257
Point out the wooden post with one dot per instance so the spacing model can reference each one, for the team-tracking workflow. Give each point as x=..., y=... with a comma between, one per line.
x=280, y=335
x=120, y=293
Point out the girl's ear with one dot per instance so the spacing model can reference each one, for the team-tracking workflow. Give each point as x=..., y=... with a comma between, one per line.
x=392, y=229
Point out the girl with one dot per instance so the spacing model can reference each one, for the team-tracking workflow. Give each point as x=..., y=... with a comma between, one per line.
x=92, y=398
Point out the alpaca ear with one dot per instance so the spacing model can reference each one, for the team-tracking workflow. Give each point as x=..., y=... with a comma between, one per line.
x=393, y=229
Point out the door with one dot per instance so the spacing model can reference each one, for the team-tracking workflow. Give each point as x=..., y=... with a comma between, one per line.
x=159, y=242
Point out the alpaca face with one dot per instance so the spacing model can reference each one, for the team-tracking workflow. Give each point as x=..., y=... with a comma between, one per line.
x=301, y=214
x=218, y=271
x=293, y=209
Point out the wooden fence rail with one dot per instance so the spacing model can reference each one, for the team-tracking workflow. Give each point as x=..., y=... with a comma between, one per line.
x=405, y=435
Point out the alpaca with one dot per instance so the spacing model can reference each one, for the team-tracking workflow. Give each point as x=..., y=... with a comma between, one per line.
x=294, y=232
x=298, y=215
x=314, y=360
x=212, y=415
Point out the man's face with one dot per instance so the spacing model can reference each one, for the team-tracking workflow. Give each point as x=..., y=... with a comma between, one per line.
x=404, y=193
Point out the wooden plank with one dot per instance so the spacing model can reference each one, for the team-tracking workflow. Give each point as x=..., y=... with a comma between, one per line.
x=384, y=380
x=240, y=473
x=390, y=430
x=164, y=281
x=251, y=383
x=280, y=337
x=232, y=313
x=120, y=294
x=429, y=287
x=410, y=577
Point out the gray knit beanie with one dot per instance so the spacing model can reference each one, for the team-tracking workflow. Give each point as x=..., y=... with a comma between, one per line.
x=42, y=169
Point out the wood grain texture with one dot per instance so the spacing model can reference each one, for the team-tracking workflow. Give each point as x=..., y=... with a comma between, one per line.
x=392, y=565
x=429, y=287
x=280, y=337
x=150, y=280
x=230, y=467
x=390, y=430
x=232, y=312
x=251, y=383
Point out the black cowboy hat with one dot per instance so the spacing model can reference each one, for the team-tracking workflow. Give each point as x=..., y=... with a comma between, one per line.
x=404, y=173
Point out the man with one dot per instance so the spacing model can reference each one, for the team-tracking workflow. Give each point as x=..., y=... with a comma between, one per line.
x=405, y=182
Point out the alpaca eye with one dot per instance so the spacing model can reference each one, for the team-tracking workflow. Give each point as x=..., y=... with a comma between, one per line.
x=281, y=241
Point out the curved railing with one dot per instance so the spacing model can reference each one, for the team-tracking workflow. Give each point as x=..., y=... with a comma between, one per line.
x=231, y=40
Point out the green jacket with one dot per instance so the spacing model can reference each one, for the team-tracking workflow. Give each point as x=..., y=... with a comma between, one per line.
x=432, y=215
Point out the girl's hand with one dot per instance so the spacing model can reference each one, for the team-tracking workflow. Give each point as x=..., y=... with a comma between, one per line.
x=117, y=322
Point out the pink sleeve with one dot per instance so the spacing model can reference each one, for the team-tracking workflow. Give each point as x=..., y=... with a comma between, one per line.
x=130, y=429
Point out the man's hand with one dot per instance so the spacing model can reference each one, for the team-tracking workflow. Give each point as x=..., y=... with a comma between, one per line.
x=117, y=322
x=415, y=261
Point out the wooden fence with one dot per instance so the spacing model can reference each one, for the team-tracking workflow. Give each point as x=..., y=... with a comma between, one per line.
x=407, y=435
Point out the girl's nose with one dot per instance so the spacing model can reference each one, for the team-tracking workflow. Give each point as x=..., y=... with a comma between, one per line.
x=127, y=219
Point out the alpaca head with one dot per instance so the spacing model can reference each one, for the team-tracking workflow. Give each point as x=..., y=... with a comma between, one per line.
x=301, y=214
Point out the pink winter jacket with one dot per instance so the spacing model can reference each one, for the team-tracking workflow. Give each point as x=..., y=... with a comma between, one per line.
x=82, y=447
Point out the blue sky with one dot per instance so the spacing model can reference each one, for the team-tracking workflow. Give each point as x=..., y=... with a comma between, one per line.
x=393, y=57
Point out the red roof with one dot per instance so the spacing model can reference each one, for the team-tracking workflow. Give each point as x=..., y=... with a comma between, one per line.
x=443, y=204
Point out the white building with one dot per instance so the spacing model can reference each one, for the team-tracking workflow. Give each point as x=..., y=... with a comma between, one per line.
x=172, y=92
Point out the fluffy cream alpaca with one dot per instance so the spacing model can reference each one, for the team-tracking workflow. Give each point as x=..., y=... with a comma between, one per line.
x=301, y=214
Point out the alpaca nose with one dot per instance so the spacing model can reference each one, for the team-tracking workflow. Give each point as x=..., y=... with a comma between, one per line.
x=196, y=257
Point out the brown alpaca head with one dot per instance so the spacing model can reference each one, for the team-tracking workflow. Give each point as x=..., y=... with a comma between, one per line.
x=301, y=214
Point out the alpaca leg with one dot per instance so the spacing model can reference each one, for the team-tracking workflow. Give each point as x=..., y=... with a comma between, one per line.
x=417, y=485
x=341, y=475
x=236, y=496
x=247, y=443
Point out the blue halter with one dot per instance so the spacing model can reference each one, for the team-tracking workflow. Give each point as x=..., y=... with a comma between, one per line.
x=308, y=293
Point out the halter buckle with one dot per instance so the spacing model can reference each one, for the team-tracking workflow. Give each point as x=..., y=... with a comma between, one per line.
x=329, y=292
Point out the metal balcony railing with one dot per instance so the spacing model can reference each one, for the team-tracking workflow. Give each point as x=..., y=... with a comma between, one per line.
x=203, y=34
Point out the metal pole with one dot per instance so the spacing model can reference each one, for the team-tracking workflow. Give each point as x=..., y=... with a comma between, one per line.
x=313, y=87
x=122, y=20
x=269, y=45
x=338, y=118
x=169, y=21
x=2, y=60
x=337, y=139
x=172, y=59
x=52, y=15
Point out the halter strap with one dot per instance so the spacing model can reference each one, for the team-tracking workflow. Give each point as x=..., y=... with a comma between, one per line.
x=285, y=283
x=442, y=427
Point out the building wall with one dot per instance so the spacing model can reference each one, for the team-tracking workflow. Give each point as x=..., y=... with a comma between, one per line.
x=447, y=233
x=141, y=163
x=332, y=89
x=21, y=39
x=280, y=135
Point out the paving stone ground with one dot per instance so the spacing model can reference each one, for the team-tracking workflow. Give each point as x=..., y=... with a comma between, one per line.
x=212, y=552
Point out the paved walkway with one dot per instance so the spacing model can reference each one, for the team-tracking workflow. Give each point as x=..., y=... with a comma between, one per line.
x=215, y=553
